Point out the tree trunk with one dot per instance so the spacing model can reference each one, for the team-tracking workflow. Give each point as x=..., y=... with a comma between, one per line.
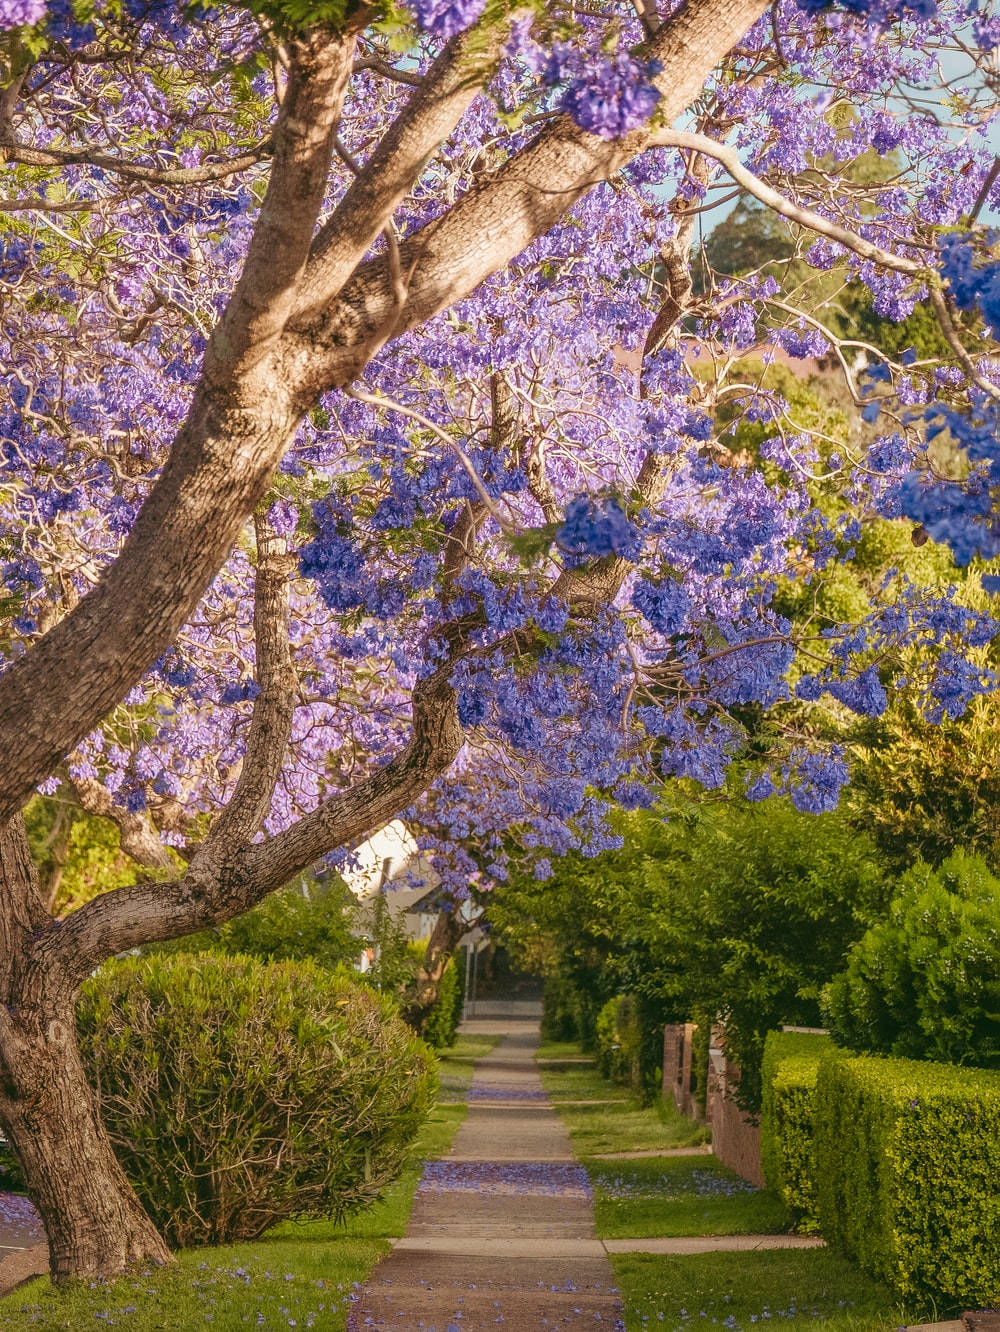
x=49, y=1113
x=95, y=1224
x=449, y=931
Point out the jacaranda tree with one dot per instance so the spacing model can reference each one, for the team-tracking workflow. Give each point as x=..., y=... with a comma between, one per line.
x=362, y=444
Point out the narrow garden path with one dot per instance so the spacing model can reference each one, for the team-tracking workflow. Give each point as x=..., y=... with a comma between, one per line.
x=502, y=1230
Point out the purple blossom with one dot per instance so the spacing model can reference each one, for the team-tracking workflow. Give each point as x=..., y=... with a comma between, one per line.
x=445, y=18
x=611, y=96
x=864, y=693
x=21, y=13
x=598, y=527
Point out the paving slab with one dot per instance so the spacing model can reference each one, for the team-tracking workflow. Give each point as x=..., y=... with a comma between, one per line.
x=20, y=1265
x=713, y=1244
x=20, y=1224
x=485, y=1292
x=502, y=1229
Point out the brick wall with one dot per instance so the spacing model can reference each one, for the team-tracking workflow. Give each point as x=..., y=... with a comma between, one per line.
x=678, y=1038
x=735, y=1140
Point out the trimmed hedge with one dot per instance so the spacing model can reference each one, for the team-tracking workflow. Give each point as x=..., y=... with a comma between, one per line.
x=238, y=1093
x=908, y=1173
x=787, y=1148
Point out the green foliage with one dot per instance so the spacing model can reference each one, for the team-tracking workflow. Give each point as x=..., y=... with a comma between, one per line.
x=701, y=1041
x=908, y=1174
x=11, y=1179
x=787, y=1147
x=619, y=1037
x=395, y=957
x=441, y=1024
x=731, y=909
x=238, y=1093
x=307, y=920
x=757, y=908
x=924, y=789
x=561, y=1017
x=77, y=854
x=925, y=983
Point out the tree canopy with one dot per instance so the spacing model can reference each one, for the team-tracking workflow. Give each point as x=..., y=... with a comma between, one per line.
x=368, y=447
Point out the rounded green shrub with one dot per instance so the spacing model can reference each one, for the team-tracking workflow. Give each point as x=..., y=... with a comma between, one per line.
x=925, y=982
x=238, y=1093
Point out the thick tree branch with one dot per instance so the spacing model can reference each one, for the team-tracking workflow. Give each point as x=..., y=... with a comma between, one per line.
x=502, y=213
x=431, y=114
x=320, y=66
x=135, y=171
x=239, y=424
x=273, y=709
x=22, y=911
x=138, y=836
x=149, y=913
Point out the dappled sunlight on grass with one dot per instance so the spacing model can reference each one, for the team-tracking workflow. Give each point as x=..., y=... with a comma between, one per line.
x=747, y=1291
x=622, y=1126
x=680, y=1196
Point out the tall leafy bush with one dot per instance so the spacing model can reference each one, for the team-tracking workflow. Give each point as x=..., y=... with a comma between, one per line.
x=441, y=1026
x=925, y=983
x=238, y=1093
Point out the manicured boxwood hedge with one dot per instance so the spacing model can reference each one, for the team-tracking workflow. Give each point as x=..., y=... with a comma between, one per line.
x=788, y=1075
x=908, y=1173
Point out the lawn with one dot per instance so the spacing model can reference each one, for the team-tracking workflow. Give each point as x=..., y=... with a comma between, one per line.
x=560, y=1050
x=739, y=1292
x=623, y=1126
x=457, y=1064
x=678, y=1196
x=579, y=1082
x=300, y=1275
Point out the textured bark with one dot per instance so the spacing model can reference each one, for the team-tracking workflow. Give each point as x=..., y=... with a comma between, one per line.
x=504, y=212
x=275, y=350
x=94, y=1222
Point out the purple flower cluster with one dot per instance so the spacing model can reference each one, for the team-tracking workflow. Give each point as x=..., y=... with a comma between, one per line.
x=445, y=18
x=20, y=13
x=506, y=1178
x=612, y=96
x=595, y=527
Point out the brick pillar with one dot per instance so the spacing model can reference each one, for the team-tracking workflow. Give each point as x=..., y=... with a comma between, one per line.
x=735, y=1139
x=686, y=1101
x=671, y=1058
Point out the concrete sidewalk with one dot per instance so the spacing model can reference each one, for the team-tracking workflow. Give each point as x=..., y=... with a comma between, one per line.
x=502, y=1230
x=23, y=1250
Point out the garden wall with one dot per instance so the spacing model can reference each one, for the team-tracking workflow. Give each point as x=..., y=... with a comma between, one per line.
x=678, y=1070
x=735, y=1138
